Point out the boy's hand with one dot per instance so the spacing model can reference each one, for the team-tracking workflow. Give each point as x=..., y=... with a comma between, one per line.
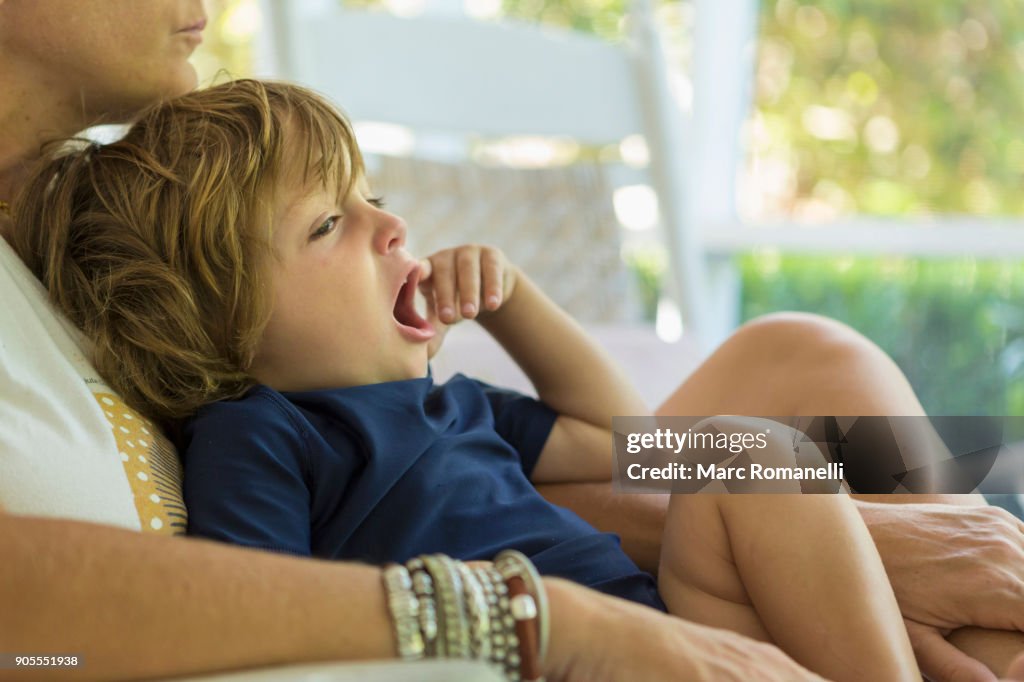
x=465, y=282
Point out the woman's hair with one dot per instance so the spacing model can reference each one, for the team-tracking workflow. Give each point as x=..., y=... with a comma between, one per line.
x=158, y=246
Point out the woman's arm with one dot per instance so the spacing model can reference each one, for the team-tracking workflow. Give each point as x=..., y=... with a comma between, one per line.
x=142, y=606
x=139, y=606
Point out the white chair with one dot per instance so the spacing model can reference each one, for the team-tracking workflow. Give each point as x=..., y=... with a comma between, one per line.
x=557, y=224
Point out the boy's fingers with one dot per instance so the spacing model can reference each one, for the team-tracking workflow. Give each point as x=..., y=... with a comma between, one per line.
x=493, y=276
x=443, y=281
x=426, y=285
x=426, y=269
x=432, y=314
x=468, y=264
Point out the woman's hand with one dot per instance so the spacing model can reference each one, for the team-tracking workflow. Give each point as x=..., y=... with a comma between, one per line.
x=950, y=566
x=597, y=638
x=463, y=283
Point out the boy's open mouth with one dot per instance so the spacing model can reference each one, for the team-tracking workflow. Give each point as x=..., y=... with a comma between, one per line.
x=411, y=323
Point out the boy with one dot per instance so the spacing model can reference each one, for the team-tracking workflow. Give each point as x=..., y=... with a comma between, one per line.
x=233, y=271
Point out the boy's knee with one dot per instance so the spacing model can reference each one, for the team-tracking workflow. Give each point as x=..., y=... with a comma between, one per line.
x=802, y=338
x=816, y=365
x=766, y=446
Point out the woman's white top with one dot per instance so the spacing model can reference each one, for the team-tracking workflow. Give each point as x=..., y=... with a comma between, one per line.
x=69, y=446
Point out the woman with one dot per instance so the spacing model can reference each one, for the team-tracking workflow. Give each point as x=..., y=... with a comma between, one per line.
x=72, y=450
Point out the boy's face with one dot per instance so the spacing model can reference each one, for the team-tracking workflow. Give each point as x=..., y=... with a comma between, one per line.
x=343, y=289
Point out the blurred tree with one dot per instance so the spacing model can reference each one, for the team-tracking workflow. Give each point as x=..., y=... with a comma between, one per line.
x=889, y=108
x=600, y=17
x=227, y=47
x=956, y=328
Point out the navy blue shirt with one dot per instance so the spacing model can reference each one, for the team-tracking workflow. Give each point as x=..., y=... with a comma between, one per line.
x=385, y=472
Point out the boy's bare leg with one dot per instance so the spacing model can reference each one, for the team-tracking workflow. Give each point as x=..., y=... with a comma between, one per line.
x=796, y=364
x=797, y=570
x=780, y=365
x=787, y=364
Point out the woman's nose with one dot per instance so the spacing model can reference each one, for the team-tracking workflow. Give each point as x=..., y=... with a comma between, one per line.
x=391, y=232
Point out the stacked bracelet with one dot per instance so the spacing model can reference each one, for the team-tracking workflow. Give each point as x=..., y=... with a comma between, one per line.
x=440, y=607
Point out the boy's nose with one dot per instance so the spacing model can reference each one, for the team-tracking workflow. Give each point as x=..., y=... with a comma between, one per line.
x=391, y=233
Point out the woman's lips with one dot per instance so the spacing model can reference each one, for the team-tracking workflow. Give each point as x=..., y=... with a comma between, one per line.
x=193, y=32
x=197, y=25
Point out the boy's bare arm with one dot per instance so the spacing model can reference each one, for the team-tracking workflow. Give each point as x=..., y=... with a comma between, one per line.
x=638, y=520
x=572, y=374
x=139, y=606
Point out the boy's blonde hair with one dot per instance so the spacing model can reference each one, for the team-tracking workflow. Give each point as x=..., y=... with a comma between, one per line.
x=158, y=245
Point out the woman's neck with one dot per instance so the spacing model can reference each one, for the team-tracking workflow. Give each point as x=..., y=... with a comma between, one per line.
x=32, y=112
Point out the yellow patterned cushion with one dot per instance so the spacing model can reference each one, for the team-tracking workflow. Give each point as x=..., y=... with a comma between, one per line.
x=151, y=465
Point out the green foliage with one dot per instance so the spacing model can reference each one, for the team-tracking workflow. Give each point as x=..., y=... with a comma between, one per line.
x=600, y=17
x=227, y=48
x=647, y=266
x=895, y=107
x=956, y=328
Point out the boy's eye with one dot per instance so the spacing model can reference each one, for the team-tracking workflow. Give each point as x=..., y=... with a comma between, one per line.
x=325, y=228
x=376, y=202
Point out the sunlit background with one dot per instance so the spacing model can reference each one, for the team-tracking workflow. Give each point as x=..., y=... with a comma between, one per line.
x=865, y=116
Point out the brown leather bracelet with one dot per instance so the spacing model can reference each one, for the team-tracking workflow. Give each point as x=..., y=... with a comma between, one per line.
x=524, y=611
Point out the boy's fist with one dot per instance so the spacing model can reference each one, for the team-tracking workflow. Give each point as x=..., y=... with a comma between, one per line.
x=466, y=281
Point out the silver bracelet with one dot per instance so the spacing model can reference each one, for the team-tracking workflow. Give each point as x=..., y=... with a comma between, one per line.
x=404, y=607
x=454, y=632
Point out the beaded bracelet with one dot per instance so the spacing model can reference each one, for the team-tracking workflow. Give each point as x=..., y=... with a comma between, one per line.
x=494, y=591
x=513, y=564
x=423, y=586
x=404, y=610
x=504, y=638
x=479, y=618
